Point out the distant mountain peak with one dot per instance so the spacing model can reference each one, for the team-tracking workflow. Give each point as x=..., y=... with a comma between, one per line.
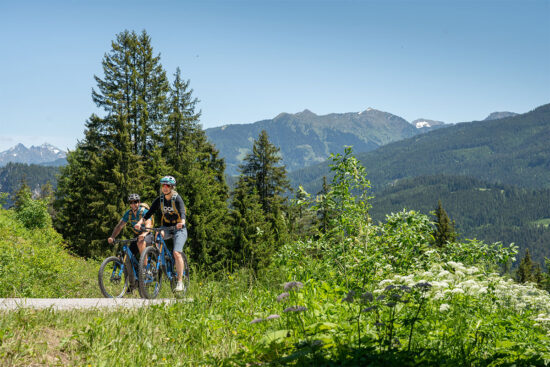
x=19, y=153
x=306, y=112
x=500, y=115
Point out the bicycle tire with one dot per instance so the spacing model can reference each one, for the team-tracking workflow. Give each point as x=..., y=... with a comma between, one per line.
x=150, y=275
x=112, y=278
x=185, y=277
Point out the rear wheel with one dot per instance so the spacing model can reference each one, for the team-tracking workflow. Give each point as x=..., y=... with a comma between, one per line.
x=113, y=278
x=150, y=273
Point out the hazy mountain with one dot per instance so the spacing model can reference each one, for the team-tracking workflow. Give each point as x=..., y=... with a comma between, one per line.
x=306, y=138
x=34, y=155
x=500, y=115
x=511, y=151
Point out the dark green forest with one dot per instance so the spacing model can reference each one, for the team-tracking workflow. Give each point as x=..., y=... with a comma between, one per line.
x=489, y=212
x=35, y=176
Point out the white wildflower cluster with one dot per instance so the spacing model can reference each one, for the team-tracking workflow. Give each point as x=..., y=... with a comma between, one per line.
x=452, y=279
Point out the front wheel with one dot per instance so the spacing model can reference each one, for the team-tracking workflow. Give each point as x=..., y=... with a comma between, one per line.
x=113, y=278
x=150, y=273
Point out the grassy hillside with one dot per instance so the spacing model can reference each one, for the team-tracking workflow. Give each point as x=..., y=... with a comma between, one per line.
x=511, y=151
x=318, y=304
x=34, y=263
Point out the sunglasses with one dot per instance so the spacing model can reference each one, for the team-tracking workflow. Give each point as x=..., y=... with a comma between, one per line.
x=166, y=185
x=134, y=202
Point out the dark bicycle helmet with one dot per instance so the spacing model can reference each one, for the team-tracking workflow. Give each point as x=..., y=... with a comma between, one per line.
x=133, y=197
x=168, y=180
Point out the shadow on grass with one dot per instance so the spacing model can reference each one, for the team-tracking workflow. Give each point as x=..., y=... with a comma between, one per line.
x=369, y=356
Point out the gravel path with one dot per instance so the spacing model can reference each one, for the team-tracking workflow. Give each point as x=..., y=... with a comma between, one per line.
x=80, y=303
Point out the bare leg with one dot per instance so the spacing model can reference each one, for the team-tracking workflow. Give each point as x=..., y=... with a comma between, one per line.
x=179, y=264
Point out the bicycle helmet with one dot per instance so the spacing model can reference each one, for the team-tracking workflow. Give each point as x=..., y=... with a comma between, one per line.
x=168, y=180
x=134, y=197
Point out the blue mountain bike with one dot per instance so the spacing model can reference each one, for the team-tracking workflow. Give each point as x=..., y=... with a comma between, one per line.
x=119, y=274
x=155, y=261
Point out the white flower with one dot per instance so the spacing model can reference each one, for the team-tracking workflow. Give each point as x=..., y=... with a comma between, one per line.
x=444, y=307
x=471, y=270
x=443, y=274
x=427, y=274
x=458, y=273
x=457, y=291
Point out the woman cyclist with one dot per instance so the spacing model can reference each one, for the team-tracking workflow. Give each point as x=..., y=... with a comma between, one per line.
x=170, y=205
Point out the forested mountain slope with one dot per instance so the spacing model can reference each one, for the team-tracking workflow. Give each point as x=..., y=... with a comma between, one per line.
x=306, y=138
x=485, y=211
x=513, y=151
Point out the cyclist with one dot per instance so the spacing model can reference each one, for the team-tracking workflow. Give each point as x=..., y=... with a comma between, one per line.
x=133, y=215
x=171, y=207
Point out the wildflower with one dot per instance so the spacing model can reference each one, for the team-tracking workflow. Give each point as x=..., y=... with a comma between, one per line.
x=423, y=286
x=367, y=297
x=368, y=309
x=391, y=304
x=390, y=287
x=349, y=297
x=396, y=296
x=282, y=296
x=379, y=324
x=443, y=273
x=444, y=307
x=380, y=297
x=255, y=321
x=457, y=290
x=295, y=309
x=471, y=270
x=405, y=288
x=272, y=317
x=291, y=285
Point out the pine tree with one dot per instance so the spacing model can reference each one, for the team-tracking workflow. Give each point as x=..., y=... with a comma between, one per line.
x=200, y=173
x=444, y=228
x=525, y=272
x=262, y=170
x=253, y=238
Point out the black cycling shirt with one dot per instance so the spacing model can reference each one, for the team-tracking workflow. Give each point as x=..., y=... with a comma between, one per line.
x=170, y=214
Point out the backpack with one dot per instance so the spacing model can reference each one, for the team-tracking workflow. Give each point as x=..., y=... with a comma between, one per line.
x=173, y=205
x=146, y=206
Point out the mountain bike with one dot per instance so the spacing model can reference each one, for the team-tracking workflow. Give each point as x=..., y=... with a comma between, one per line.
x=119, y=274
x=155, y=261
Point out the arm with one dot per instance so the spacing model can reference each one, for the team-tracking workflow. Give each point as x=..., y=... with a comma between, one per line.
x=147, y=217
x=116, y=231
x=181, y=209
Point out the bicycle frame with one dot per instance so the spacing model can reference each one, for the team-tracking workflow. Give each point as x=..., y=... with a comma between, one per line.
x=127, y=254
x=167, y=266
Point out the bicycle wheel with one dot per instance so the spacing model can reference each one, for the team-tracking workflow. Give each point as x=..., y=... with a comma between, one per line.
x=113, y=278
x=185, y=277
x=150, y=273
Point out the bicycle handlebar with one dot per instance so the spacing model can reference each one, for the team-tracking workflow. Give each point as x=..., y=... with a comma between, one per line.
x=124, y=241
x=158, y=229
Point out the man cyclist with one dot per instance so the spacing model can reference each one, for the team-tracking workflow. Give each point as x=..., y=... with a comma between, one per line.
x=170, y=205
x=133, y=215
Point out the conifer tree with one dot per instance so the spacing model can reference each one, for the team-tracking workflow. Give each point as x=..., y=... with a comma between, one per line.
x=444, y=228
x=525, y=272
x=199, y=172
x=253, y=238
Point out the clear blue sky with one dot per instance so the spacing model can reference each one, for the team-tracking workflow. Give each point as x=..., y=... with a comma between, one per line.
x=452, y=61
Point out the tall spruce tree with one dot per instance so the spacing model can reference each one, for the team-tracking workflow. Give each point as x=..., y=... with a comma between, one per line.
x=262, y=183
x=107, y=164
x=200, y=175
x=444, y=228
x=526, y=269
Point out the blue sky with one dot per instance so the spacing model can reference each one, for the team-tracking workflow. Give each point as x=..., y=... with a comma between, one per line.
x=452, y=61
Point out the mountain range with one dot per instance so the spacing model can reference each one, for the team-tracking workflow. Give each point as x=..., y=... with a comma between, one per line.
x=305, y=138
x=45, y=154
x=513, y=150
